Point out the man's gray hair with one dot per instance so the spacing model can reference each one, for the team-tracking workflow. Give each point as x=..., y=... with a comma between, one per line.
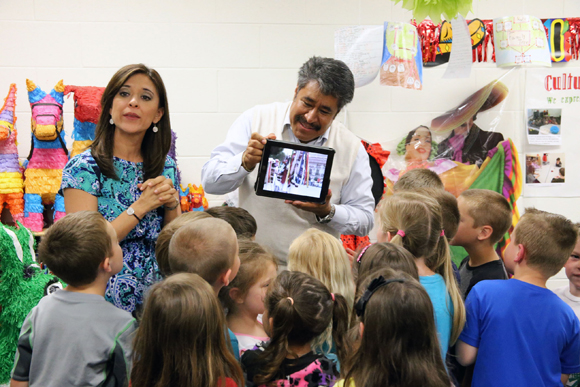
x=333, y=76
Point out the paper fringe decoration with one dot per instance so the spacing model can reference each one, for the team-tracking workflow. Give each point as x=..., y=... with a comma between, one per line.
x=430, y=33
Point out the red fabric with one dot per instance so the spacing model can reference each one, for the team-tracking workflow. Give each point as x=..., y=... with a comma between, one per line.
x=353, y=242
x=229, y=383
x=377, y=152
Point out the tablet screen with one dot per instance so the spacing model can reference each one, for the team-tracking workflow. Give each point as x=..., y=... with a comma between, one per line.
x=294, y=171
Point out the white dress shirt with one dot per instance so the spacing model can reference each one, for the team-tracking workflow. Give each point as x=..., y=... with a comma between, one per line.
x=223, y=173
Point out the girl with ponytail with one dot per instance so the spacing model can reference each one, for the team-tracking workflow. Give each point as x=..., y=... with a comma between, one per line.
x=298, y=309
x=414, y=222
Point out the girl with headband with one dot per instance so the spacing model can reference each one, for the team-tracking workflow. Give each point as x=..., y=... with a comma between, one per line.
x=398, y=345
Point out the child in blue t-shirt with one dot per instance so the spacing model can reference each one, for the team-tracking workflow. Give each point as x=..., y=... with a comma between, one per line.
x=415, y=222
x=519, y=333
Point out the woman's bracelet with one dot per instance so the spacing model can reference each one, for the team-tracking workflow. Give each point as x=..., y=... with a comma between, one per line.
x=174, y=207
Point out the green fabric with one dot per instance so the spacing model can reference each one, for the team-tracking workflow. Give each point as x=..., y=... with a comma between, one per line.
x=458, y=253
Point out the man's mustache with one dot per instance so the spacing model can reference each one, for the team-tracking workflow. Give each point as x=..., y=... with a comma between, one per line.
x=302, y=120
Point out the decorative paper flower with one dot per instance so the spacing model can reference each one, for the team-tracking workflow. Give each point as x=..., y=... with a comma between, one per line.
x=435, y=8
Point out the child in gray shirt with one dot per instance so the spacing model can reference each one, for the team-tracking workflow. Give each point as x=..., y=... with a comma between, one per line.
x=74, y=337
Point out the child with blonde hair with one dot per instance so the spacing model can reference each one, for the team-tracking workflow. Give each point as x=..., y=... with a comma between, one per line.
x=322, y=256
x=181, y=341
x=298, y=309
x=244, y=296
x=398, y=344
x=414, y=222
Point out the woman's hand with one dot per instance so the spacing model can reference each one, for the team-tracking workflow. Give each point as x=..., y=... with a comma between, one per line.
x=157, y=192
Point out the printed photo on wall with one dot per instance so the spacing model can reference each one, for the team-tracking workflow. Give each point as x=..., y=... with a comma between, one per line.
x=544, y=126
x=545, y=168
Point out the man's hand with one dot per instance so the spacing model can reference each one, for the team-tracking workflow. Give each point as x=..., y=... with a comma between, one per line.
x=253, y=153
x=320, y=209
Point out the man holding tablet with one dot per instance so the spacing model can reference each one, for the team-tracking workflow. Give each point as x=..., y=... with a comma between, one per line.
x=324, y=87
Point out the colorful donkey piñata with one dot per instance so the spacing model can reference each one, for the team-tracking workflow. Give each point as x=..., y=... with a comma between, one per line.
x=87, y=112
x=48, y=153
x=11, y=188
x=22, y=284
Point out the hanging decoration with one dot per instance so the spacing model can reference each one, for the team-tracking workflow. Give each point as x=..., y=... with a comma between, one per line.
x=402, y=64
x=520, y=40
x=563, y=37
x=434, y=9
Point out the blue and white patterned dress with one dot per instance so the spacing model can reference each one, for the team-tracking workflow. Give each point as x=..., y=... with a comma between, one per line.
x=140, y=270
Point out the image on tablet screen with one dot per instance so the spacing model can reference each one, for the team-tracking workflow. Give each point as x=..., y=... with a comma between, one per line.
x=295, y=171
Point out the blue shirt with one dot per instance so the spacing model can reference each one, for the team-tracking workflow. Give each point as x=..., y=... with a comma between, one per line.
x=442, y=307
x=525, y=335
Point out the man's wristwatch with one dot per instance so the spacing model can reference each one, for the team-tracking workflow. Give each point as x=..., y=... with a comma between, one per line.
x=328, y=217
x=131, y=212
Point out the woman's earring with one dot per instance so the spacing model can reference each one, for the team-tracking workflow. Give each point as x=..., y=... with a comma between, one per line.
x=155, y=129
x=111, y=121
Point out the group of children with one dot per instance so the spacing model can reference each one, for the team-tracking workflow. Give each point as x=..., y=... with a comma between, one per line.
x=395, y=313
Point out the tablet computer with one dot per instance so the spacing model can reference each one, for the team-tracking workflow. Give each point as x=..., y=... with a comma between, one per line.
x=294, y=171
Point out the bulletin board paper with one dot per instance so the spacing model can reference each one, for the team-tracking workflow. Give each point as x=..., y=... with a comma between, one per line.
x=555, y=95
x=361, y=48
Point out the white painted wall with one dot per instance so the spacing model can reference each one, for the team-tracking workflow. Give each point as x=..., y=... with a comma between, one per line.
x=221, y=57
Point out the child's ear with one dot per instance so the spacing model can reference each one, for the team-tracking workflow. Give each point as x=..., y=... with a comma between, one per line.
x=235, y=295
x=361, y=328
x=485, y=233
x=224, y=278
x=389, y=236
x=106, y=265
x=520, y=254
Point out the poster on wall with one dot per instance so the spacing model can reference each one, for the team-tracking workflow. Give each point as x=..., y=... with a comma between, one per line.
x=402, y=63
x=552, y=110
x=520, y=40
x=361, y=48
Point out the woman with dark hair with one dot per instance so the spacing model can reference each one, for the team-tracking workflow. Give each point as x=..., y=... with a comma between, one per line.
x=127, y=176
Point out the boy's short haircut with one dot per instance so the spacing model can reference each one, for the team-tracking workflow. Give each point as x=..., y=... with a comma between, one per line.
x=548, y=239
x=489, y=208
x=243, y=223
x=206, y=247
x=449, y=209
x=162, y=244
x=75, y=246
x=418, y=178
